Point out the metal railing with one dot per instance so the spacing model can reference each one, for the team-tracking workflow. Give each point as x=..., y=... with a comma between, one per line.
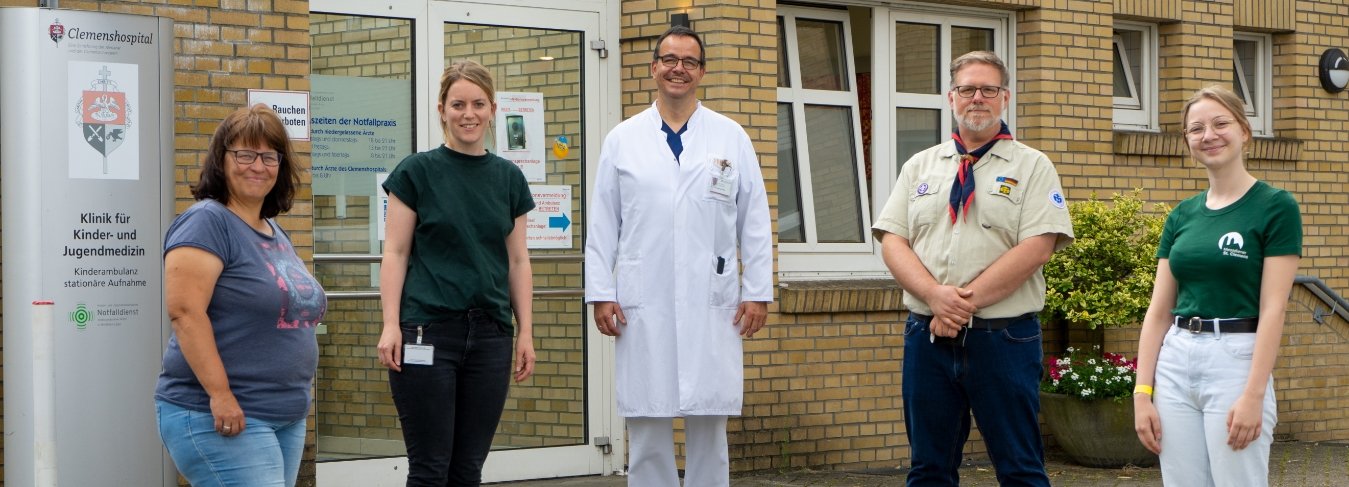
x=551, y=293
x=1327, y=295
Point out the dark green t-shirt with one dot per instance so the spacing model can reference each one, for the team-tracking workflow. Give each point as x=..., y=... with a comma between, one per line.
x=1217, y=256
x=466, y=206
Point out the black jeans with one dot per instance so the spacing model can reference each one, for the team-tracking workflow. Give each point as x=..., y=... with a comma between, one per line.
x=450, y=409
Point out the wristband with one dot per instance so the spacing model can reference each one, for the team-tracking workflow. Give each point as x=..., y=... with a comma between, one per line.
x=1143, y=388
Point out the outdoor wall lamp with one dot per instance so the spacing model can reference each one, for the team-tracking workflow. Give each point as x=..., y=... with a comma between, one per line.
x=679, y=19
x=1334, y=70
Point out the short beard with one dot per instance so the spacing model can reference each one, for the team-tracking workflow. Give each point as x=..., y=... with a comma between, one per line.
x=966, y=124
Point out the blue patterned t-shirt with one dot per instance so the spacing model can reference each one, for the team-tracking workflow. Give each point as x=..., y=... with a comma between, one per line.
x=263, y=311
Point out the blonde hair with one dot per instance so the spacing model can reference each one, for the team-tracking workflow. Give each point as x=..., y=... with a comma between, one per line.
x=470, y=71
x=1222, y=96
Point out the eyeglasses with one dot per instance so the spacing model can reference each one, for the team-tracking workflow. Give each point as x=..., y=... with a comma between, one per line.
x=689, y=63
x=245, y=157
x=1196, y=131
x=987, y=91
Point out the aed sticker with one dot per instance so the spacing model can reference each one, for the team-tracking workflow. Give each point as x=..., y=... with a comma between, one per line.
x=560, y=147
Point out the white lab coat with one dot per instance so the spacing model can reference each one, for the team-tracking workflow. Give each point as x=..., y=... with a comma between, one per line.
x=655, y=229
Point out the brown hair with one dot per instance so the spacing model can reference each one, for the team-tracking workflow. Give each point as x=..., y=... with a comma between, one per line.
x=253, y=126
x=980, y=57
x=681, y=31
x=1222, y=96
x=470, y=71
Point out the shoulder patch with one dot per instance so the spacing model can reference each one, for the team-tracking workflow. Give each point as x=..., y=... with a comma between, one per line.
x=1056, y=199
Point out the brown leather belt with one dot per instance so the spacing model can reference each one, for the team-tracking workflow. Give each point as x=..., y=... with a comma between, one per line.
x=1195, y=324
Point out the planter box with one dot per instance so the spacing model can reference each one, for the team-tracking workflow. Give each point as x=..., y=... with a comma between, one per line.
x=1097, y=433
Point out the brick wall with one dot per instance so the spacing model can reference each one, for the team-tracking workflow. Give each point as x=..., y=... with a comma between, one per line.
x=819, y=389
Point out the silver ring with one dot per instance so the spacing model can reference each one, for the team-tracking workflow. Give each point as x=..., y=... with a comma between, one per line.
x=227, y=427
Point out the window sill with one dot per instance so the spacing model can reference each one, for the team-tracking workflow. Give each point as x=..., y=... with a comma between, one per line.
x=839, y=296
x=1173, y=145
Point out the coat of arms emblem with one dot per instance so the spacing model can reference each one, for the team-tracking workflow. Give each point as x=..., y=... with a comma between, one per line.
x=103, y=115
x=56, y=31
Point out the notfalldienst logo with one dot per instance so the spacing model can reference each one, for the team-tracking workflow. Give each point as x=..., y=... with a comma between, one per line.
x=81, y=316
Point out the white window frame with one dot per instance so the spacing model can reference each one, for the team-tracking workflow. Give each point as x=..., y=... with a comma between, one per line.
x=1260, y=99
x=813, y=255
x=796, y=262
x=1138, y=112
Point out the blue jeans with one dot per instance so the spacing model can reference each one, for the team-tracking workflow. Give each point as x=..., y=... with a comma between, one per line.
x=450, y=409
x=265, y=454
x=995, y=374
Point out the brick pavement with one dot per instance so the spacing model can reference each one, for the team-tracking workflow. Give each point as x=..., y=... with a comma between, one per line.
x=1292, y=464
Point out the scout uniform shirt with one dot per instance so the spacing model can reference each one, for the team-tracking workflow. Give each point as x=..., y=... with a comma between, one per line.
x=1017, y=196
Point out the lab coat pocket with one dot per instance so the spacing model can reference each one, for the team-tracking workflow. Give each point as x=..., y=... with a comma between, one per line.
x=722, y=181
x=628, y=274
x=724, y=288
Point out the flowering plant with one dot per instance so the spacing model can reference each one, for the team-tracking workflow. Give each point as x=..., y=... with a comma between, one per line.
x=1090, y=376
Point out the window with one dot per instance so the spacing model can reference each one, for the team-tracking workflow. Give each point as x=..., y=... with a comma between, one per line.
x=860, y=90
x=1251, y=79
x=1135, y=79
x=822, y=190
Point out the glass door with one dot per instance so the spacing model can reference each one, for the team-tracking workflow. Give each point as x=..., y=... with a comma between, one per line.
x=379, y=63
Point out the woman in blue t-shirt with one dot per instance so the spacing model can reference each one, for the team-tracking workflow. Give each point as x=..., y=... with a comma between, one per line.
x=455, y=270
x=1225, y=267
x=234, y=391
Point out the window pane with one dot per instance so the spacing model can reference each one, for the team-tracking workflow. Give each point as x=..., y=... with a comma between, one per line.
x=916, y=58
x=916, y=129
x=967, y=39
x=821, y=47
x=833, y=174
x=1122, y=88
x=789, y=185
x=784, y=78
x=360, y=67
x=1133, y=53
x=1249, y=83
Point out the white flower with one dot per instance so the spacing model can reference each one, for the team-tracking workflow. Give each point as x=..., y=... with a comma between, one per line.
x=1100, y=369
x=1091, y=361
x=1071, y=350
x=1056, y=382
x=1093, y=379
x=1086, y=392
x=1075, y=376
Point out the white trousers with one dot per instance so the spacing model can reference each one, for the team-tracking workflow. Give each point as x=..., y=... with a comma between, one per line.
x=1199, y=377
x=651, y=459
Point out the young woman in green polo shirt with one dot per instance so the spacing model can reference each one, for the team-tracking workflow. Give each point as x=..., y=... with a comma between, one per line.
x=1205, y=398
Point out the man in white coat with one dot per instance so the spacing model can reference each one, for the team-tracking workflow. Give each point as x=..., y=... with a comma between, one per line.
x=678, y=204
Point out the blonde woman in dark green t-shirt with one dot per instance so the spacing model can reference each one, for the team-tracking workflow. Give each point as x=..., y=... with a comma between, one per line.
x=455, y=270
x=1225, y=266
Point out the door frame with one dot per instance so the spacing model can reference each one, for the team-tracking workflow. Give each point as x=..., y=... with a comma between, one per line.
x=597, y=20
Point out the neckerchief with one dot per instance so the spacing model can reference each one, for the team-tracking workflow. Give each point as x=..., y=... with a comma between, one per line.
x=962, y=191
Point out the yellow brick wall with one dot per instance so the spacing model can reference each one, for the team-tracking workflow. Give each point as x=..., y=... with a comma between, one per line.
x=804, y=372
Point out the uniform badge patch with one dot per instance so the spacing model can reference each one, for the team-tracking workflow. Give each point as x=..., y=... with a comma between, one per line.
x=1056, y=199
x=922, y=189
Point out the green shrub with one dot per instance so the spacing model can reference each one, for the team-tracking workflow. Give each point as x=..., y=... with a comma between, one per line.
x=1105, y=277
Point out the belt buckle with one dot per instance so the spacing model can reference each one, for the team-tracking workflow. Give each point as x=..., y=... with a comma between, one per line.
x=1195, y=325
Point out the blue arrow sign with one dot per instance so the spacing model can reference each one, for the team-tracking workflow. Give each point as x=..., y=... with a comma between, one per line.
x=561, y=222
